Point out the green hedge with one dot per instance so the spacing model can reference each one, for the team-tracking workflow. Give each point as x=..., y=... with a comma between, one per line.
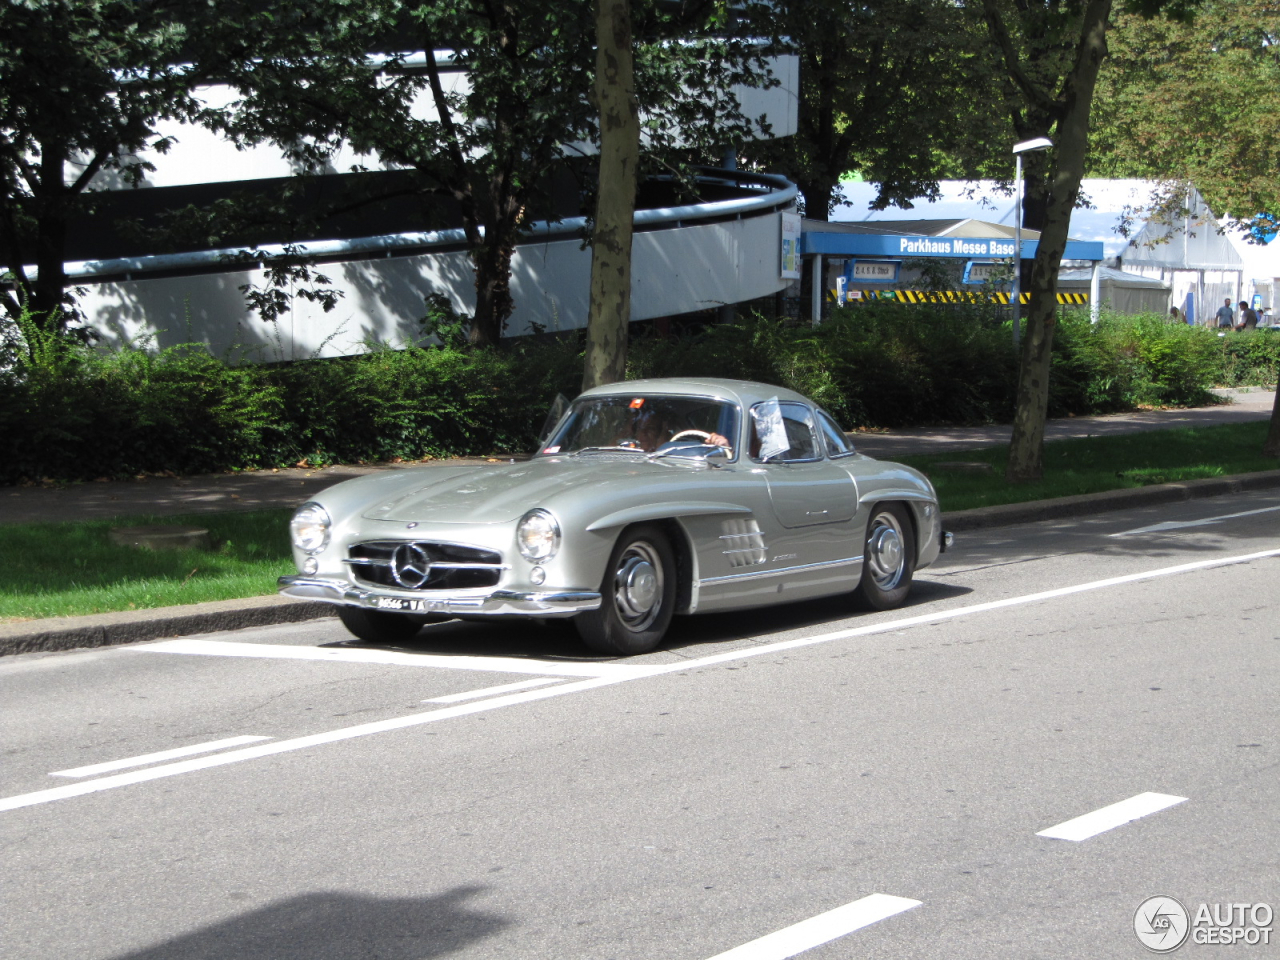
x=88, y=415
x=68, y=412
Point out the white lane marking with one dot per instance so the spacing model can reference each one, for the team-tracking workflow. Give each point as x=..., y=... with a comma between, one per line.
x=94, y=769
x=528, y=696
x=821, y=929
x=281, y=651
x=1108, y=818
x=491, y=691
x=768, y=649
x=1180, y=524
x=297, y=743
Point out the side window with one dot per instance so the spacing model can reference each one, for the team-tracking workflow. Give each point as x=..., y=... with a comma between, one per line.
x=837, y=442
x=797, y=422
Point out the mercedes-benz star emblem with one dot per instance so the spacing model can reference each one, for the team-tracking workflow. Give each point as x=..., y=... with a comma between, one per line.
x=410, y=565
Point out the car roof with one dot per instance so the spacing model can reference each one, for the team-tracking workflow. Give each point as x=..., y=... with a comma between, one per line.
x=745, y=392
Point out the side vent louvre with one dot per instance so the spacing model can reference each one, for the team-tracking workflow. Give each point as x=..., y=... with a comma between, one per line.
x=743, y=543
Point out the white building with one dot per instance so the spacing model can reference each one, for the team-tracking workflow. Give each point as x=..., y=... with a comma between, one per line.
x=685, y=259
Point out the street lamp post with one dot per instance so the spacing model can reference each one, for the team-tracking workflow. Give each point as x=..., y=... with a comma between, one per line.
x=1027, y=146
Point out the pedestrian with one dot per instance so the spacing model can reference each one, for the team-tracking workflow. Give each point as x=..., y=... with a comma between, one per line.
x=1248, y=317
x=1174, y=316
x=1224, y=315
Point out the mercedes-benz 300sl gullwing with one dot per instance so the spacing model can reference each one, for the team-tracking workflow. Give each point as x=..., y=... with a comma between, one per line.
x=647, y=499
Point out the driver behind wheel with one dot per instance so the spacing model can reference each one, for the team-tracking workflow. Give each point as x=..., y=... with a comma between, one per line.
x=650, y=429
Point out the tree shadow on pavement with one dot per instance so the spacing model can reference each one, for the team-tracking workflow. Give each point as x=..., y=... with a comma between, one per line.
x=332, y=925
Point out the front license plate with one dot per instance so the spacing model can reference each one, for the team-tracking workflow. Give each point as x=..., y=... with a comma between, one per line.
x=405, y=606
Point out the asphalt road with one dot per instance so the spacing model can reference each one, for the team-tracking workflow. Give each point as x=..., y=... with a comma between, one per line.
x=890, y=771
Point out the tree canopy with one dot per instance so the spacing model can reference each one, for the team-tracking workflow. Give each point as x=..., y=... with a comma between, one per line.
x=83, y=84
x=893, y=90
x=1192, y=101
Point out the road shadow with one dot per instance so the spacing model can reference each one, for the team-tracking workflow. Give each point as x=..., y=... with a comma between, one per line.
x=557, y=640
x=525, y=639
x=1115, y=534
x=842, y=611
x=329, y=925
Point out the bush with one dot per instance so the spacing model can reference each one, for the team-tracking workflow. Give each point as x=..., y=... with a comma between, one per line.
x=73, y=413
x=69, y=412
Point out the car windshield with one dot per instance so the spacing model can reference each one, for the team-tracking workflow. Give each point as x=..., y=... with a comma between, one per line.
x=646, y=424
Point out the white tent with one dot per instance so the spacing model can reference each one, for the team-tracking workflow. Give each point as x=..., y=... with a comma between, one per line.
x=1120, y=291
x=1199, y=264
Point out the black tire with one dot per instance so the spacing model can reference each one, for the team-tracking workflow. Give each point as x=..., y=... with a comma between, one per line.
x=637, y=595
x=378, y=626
x=888, y=558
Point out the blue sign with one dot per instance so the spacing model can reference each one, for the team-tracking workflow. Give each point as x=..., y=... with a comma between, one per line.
x=886, y=245
x=1264, y=228
x=987, y=271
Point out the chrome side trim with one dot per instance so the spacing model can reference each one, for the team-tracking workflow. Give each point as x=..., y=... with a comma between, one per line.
x=560, y=603
x=761, y=574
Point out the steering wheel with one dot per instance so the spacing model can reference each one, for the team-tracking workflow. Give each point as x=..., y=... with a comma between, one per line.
x=688, y=433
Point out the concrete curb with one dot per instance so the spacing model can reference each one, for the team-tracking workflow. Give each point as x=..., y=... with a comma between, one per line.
x=1088, y=503
x=107, y=629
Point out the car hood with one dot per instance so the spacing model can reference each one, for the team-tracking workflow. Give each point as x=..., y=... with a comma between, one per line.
x=502, y=494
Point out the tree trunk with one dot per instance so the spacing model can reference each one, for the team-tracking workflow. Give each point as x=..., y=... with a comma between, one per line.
x=610, y=305
x=1272, y=446
x=494, y=303
x=50, y=241
x=817, y=199
x=1026, y=447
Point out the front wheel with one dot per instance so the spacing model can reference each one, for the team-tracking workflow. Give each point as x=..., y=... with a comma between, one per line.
x=378, y=626
x=637, y=597
x=888, y=558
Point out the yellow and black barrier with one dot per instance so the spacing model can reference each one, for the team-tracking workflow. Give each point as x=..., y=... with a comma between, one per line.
x=954, y=296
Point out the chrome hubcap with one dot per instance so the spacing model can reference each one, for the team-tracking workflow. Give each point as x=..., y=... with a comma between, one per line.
x=886, y=559
x=637, y=586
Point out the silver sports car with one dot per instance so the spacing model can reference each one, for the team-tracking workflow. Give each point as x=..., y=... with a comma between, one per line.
x=646, y=499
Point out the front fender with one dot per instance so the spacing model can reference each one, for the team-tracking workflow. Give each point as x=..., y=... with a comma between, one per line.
x=663, y=511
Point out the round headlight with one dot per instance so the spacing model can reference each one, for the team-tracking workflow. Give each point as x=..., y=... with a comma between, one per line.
x=538, y=536
x=309, y=528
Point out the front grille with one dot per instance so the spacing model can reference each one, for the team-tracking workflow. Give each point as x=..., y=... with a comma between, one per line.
x=448, y=566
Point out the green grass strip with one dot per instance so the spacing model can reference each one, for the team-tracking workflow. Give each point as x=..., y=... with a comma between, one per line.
x=69, y=569
x=1097, y=464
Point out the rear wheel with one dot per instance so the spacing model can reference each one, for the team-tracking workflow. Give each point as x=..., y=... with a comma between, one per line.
x=637, y=597
x=378, y=626
x=888, y=558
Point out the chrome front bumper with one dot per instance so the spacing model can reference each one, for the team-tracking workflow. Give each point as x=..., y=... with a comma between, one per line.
x=498, y=603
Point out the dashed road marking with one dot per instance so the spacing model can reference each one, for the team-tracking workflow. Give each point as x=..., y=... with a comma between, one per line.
x=1108, y=818
x=493, y=691
x=94, y=769
x=821, y=929
x=622, y=675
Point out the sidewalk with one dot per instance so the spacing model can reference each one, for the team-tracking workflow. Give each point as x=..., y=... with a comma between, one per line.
x=1247, y=404
x=286, y=488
